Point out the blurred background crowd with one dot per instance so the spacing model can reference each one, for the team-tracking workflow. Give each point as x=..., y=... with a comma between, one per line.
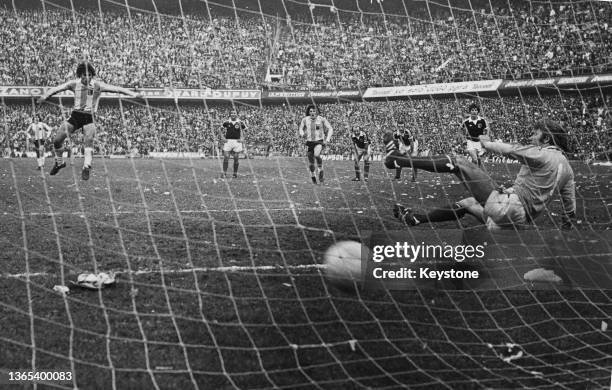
x=322, y=48
x=273, y=128
x=329, y=49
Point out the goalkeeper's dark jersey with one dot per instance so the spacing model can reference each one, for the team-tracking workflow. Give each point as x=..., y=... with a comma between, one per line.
x=361, y=140
x=233, y=128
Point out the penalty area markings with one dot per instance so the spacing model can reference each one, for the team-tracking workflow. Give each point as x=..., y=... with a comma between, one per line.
x=233, y=268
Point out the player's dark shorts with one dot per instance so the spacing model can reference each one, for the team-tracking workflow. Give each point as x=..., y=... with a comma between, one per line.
x=395, y=158
x=79, y=119
x=39, y=143
x=367, y=149
x=312, y=144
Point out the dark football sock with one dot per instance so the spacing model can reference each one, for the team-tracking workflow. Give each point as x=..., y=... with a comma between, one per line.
x=450, y=213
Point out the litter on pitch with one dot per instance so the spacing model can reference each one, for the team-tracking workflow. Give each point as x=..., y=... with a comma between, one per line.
x=95, y=281
x=61, y=289
x=542, y=275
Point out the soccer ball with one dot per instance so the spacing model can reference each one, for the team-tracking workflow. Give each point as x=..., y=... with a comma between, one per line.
x=343, y=263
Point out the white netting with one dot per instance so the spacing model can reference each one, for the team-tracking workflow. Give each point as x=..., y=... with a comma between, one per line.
x=220, y=282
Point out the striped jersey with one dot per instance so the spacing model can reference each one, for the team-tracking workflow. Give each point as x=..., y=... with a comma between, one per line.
x=39, y=130
x=314, y=128
x=86, y=97
x=390, y=143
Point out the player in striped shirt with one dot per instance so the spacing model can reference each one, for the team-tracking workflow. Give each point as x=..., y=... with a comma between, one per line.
x=39, y=132
x=87, y=92
x=313, y=127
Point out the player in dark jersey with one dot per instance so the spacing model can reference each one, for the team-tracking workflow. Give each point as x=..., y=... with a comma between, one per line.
x=406, y=144
x=474, y=127
x=233, y=128
x=361, y=149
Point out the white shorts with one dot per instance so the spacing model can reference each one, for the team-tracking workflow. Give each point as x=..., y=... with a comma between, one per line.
x=504, y=210
x=415, y=148
x=232, y=145
x=476, y=146
x=404, y=149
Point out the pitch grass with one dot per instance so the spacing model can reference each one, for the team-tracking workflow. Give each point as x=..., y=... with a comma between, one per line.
x=279, y=326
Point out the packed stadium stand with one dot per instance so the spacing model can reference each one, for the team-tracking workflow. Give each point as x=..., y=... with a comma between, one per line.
x=316, y=51
x=324, y=48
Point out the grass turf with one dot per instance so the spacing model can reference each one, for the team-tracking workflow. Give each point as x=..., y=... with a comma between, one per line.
x=181, y=317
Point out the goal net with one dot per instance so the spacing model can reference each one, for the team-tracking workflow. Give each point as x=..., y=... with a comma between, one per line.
x=221, y=282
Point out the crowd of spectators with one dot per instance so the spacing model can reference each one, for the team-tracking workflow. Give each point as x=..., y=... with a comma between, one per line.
x=343, y=50
x=436, y=123
x=524, y=41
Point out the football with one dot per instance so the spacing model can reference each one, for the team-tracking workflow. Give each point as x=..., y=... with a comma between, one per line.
x=343, y=263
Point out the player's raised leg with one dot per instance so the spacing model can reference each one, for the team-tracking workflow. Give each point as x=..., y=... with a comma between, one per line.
x=89, y=133
x=64, y=130
x=477, y=182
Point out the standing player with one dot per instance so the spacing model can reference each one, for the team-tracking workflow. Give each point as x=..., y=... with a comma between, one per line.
x=87, y=93
x=39, y=132
x=407, y=145
x=313, y=127
x=473, y=127
x=233, y=141
x=361, y=149
x=545, y=171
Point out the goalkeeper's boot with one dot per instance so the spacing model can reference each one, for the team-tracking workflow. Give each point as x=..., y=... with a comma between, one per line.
x=235, y=175
x=404, y=214
x=56, y=168
x=356, y=179
x=85, y=173
x=314, y=179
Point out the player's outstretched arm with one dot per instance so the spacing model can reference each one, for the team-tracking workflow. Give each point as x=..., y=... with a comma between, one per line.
x=496, y=147
x=114, y=88
x=62, y=87
x=330, y=130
